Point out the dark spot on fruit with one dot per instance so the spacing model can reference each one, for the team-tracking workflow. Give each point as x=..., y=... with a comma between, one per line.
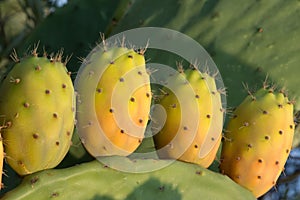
x=277, y=163
x=259, y=177
x=57, y=143
x=8, y=124
x=280, y=106
x=47, y=91
x=270, y=91
x=140, y=141
x=234, y=116
x=245, y=124
x=185, y=128
x=291, y=126
x=250, y=145
x=280, y=132
x=212, y=139
x=111, y=110
x=55, y=115
x=121, y=79
x=69, y=73
x=26, y=105
x=147, y=95
x=197, y=96
x=196, y=146
x=122, y=131
x=111, y=62
x=265, y=112
x=213, y=92
x=267, y=137
x=35, y=136
x=208, y=116
x=99, y=90
x=68, y=133
x=221, y=159
x=64, y=86
x=55, y=194
x=132, y=99
x=174, y=105
x=260, y=160
x=20, y=163
x=130, y=56
x=17, y=80
x=38, y=68
x=273, y=182
x=287, y=151
x=140, y=121
x=140, y=73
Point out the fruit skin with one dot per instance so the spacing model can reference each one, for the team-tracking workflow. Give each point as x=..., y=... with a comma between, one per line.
x=114, y=98
x=38, y=108
x=258, y=140
x=181, y=138
x=94, y=180
x=1, y=159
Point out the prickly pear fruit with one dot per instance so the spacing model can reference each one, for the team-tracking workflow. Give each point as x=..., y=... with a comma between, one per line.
x=193, y=126
x=179, y=180
x=1, y=159
x=258, y=140
x=114, y=100
x=37, y=106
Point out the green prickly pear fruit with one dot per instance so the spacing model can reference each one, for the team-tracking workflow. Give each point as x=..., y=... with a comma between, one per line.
x=38, y=109
x=114, y=98
x=258, y=140
x=193, y=126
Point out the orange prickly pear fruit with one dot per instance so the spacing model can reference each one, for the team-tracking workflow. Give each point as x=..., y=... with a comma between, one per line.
x=258, y=140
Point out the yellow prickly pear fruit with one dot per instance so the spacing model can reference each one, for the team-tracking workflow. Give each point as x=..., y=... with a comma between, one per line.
x=258, y=140
x=114, y=98
x=37, y=106
x=195, y=136
x=1, y=159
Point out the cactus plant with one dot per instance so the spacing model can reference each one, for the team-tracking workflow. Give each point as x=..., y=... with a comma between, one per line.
x=247, y=40
x=94, y=180
x=38, y=109
x=258, y=138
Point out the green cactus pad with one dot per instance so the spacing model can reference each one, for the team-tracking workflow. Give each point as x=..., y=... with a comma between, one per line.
x=247, y=39
x=94, y=180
